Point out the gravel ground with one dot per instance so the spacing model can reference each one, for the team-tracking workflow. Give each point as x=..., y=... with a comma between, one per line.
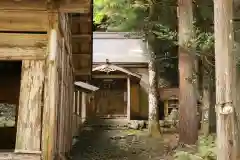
x=104, y=144
x=7, y=114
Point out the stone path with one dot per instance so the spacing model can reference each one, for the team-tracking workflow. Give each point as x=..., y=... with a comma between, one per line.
x=96, y=143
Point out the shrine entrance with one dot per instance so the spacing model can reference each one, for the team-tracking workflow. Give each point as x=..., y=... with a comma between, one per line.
x=117, y=86
x=111, y=99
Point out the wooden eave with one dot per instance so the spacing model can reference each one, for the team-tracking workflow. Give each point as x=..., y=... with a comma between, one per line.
x=85, y=86
x=112, y=68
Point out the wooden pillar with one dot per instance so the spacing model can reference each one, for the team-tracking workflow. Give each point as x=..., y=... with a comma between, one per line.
x=74, y=116
x=165, y=108
x=28, y=137
x=84, y=107
x=62, y=100
x=78, y=103
x=74, y=101
x=49, y=128
x=128, y=98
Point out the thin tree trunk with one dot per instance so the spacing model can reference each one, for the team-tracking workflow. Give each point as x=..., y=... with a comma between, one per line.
x=225, y=78
x=205, y=110
x=188, y=123
x=208, y=101
x=153, y=116
x=212, y=112
x=208, y=106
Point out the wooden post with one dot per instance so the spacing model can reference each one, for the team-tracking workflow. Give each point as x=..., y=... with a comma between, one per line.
x=28, y=137
x=165, y=108
x=78, y=103
x=128, y=98
x=225, y=78
x=62, y=106
x=84, y=103
x=49, y=110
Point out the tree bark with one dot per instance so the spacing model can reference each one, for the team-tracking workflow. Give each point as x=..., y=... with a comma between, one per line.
x=225, y=78
x=208, y=104
x=212, y=112
x=205, y=110
x=237, y=116
x=188, y=123
x=153, y=116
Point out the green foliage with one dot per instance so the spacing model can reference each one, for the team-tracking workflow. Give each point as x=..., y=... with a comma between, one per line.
x=206, y=150
x=202, y=43
x=156, y=22
x=144, y=16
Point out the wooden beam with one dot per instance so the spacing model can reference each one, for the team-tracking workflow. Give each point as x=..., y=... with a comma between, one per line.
x=81, y=56
x=22, y=46
x=22, y=53
x=88, y=37
x=118, y=76
x=23, y=40
x=23, y=20
x=38, y=5
x=76, y=6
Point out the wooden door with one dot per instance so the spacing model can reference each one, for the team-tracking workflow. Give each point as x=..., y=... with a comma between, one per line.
x=134, y=96
x=110, y=102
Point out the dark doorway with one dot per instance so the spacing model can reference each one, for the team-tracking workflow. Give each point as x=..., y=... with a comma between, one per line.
x=10, y=77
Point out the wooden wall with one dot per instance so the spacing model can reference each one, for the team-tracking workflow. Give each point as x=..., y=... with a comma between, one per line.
x=41, y=38
x=59, y=89
x=45, y=119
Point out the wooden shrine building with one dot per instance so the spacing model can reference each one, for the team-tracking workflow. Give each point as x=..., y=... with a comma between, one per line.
x=43, y=51
x=120, y=70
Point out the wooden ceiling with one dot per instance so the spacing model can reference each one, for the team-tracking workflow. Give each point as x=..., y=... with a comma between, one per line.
x=82, y=45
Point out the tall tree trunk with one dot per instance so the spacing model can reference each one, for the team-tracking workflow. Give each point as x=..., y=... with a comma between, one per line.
x=237, y=116
x=225, y=78
x=188, y=123
x=153, y=116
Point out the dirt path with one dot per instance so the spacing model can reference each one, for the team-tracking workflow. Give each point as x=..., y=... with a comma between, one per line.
x=121, y=144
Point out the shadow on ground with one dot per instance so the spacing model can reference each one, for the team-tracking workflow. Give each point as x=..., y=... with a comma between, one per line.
x=99, y=143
